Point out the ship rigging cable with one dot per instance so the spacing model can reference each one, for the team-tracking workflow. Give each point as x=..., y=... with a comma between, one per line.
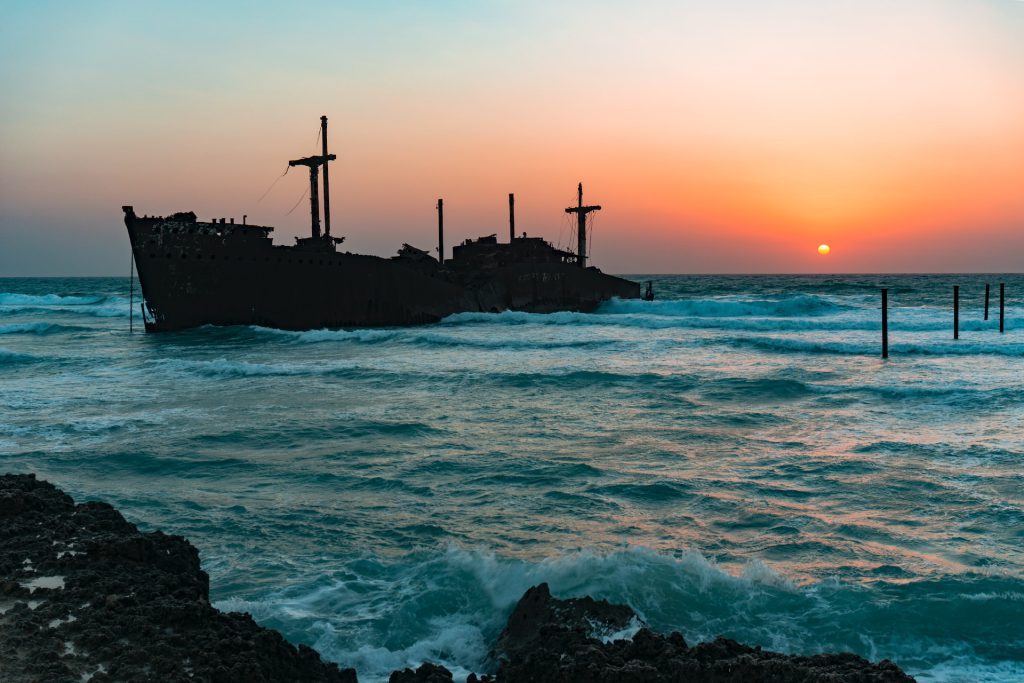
x=590, y=236
x=131, y=294
x=267, y=191
x=298, y=202
x=286, y=169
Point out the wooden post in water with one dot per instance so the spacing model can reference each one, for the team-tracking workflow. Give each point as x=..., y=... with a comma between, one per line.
x=885, y=323
x=956, y=311
x=1002, y=307
x=440, y=231
x=986, y=300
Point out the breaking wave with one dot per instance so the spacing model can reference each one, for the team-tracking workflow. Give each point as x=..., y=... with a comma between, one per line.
x=677, y=315
x=15, y=299
x=944, y=348
x=8, y=357
x=448, y=605
x=801, y=305
x=40, y=328
x=425, y=337
x=99, y=306
x=328, y=335
x=223, y=367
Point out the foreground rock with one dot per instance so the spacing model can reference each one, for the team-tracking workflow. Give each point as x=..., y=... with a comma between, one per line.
x=85, y=596
x=565, y=640
x=585, y=640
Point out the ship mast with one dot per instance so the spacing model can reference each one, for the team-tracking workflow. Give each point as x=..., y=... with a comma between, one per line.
x=581, y=226
x=327, y=187
x=314, y=164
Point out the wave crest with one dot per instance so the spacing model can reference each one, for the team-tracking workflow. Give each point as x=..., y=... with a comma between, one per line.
x=800, y=305
x=98, y=305
x=8, y=357
x=448, y=605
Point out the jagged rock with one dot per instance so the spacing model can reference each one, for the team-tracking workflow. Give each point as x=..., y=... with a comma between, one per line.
x=427, y=673
x=115, y=604
x=558, y=640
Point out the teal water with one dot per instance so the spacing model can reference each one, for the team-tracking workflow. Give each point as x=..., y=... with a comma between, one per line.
x=733, y=458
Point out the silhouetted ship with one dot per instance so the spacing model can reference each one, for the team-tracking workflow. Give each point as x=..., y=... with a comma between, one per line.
x=225, y=273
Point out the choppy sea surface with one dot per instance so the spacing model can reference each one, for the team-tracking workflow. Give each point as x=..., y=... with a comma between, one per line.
x=733, y=458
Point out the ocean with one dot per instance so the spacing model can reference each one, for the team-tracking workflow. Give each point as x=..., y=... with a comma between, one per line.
x=732, y=458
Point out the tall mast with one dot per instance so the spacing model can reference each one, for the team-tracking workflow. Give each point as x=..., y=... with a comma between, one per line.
x=327, y=188
x=314, y=164
x=581, y=225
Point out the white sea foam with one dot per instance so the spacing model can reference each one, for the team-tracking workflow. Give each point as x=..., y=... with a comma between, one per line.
x=98, y=306
x=223, y=367
x=44, y=582
x=54, y=623
x=731, y=306
x=19, y=299
x=610, y=635
x=945, y=347
x=88, y=676
x=28, y=328
x=448, y=606
x=327, y=335
x=342, y=615
x=736, y=316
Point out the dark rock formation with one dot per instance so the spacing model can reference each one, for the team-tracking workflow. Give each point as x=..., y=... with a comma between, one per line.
x=427, y=673
x=564, y=640
x=84, y=594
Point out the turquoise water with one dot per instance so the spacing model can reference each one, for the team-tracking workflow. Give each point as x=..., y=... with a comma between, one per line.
x=733, y=458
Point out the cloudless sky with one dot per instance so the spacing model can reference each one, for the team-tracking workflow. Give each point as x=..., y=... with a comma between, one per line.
x=719, y=135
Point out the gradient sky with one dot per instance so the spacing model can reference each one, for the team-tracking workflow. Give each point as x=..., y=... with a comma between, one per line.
x=719, y=135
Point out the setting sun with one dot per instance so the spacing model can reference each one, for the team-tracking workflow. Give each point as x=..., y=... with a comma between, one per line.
x=824, y=249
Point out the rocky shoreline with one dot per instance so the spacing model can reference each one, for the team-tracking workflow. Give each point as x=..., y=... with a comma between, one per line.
x=85, y=596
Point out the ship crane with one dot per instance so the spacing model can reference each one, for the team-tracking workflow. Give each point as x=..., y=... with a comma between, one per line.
x=314, y=163
x=581, y=225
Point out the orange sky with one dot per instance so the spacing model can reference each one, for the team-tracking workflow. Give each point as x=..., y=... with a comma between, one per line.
x=719, y=135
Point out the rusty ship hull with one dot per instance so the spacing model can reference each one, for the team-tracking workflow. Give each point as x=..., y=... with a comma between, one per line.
x=195, y=273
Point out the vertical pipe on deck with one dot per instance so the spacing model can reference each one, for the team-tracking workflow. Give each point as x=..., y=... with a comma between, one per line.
x=440, y=231
x=511, y=218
